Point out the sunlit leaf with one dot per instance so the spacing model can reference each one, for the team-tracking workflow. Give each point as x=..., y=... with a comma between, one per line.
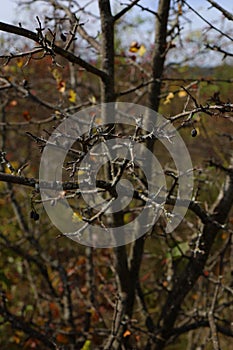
x=87, y=345
x=92, y=99
x=72, y=96
x=76, y=217
x=61, y=86
x=127, y=333
x=169, y=97
x=134, y=46
x=182, y=93
x=142, y=50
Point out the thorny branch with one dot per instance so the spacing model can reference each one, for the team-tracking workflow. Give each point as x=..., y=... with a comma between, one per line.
x=52, y=48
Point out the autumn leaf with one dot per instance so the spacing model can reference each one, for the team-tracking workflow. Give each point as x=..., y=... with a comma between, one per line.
x=182, y=93
x=87, y=345
x=62, y=338
x=127, y=333
x=56, y=74
x=169, y=97
x=61, y=86
x=92, y=99
x=72, y=96
x=27, y=115
x=142, y=50
x=20, y=62
x=76, y=217
x=180, y=12
x=54, y=309
x=134, y=46
x=128, y=217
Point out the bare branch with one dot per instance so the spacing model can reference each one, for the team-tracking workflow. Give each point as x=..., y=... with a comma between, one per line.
x=207, y=22
x=56, y=49
x=125, y=10
x=226, y=14
x=212, y=323
x=219, y=49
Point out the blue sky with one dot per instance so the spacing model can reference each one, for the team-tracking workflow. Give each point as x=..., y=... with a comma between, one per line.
x=9, y=8
x=192, y=23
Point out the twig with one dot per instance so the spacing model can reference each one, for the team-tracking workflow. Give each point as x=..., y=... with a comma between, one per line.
x=213, y=328
x=56, y=49
x=226, y=14
x=207, y=22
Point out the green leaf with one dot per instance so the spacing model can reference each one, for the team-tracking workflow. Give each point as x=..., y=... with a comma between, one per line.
x=177, y=251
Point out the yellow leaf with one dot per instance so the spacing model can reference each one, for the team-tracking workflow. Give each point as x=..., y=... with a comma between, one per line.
x=82, y=172
x=72, y=96
x=182, y=93
x=56, y=74
x=87, y=345
x=92, y=99
x=134, y=46
x=20, y=62
x=76, y=217
x=142, y=50
x=127, y=218
x=169, y=97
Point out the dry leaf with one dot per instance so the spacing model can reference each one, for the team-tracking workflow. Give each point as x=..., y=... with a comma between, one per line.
x=127, y=333
x=72, y=96
x=182, y=93
x=142, y=50
x=134, y=46
x=169, y=97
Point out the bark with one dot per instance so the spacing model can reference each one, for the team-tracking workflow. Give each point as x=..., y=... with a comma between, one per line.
x=107, y=51
x=160, y=49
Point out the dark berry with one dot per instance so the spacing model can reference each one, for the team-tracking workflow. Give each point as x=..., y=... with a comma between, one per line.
x=34, y=215
x=63, y=37
x=194, y=133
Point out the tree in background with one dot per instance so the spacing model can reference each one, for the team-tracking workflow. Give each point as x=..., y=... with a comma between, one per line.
x=165, y=290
